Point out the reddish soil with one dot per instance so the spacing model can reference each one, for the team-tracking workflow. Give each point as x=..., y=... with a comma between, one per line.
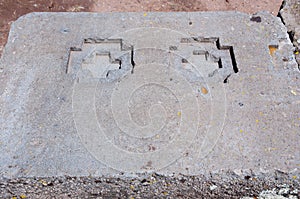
x=10, y=10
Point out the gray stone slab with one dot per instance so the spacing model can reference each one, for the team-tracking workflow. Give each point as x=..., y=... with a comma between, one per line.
x=290, y=14
x=193, y=93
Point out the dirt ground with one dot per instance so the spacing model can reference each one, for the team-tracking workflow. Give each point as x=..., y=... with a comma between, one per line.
x=10, y=10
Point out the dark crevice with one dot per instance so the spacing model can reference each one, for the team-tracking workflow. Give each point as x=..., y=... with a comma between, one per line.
x=120, y=64
x=291, y=35
x=280, y=17
x=226, y=80
x=232, y=56
x=132, y=60
x=218, y=44
x=220, y=63
x=279, y=14
x=234, y=65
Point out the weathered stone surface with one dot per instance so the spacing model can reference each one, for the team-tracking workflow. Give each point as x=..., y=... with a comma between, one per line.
x=99, y=94
x=291, y=17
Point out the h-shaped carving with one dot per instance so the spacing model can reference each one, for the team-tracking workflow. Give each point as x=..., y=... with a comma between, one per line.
x=97, y=57
x=213, y=51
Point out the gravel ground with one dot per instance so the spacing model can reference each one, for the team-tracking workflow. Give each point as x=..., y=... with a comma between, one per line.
x=225, y=185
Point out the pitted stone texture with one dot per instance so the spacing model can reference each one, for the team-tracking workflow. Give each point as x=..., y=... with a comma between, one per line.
x=99, y=94
x=291, y=17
